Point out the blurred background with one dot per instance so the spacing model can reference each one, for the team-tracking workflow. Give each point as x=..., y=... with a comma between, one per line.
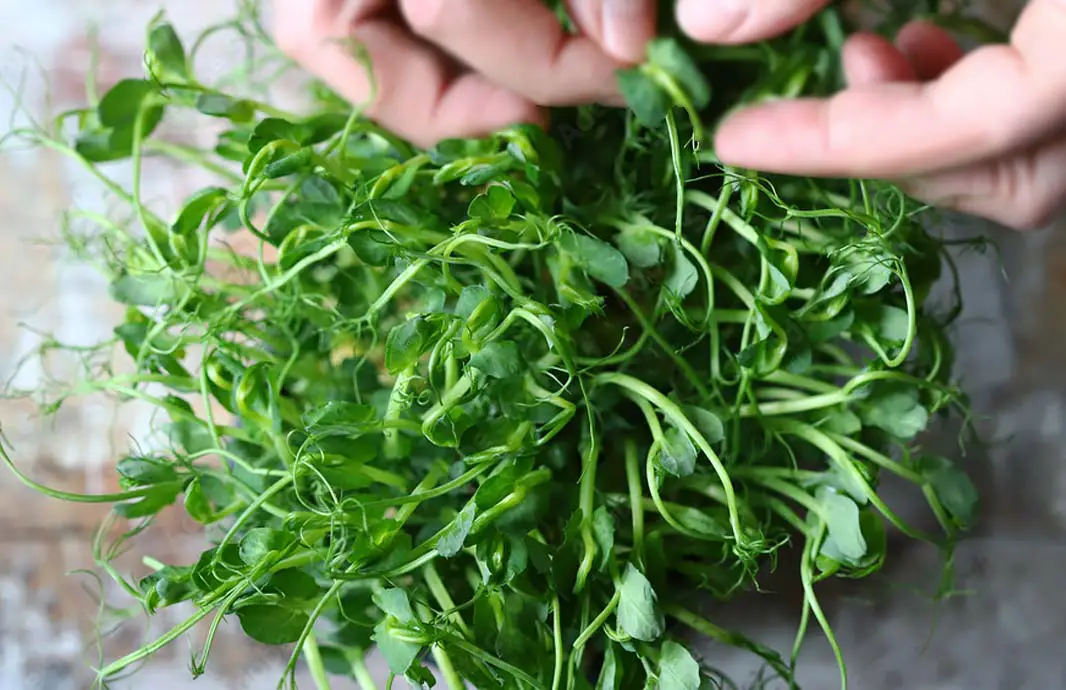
x=1003, y=629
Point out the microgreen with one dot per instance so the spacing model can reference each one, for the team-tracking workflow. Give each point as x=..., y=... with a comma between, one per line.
x=503, y=408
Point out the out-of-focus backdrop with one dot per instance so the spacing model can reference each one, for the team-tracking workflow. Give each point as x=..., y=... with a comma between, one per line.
x=1003, y=631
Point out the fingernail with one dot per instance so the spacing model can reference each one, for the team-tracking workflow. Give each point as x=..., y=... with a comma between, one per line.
x=709, y=20
x=628, y=25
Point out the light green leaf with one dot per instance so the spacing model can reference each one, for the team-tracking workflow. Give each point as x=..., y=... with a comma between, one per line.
x=953, y=487
x=683, y=277
x=677, y=669
x=399, y=654
x=638, y=613
x=597, y=258
x=677, y=454
x=707, y=423
x=394, y=602
x=454, y=535
x=845, y=541
x=640, y=247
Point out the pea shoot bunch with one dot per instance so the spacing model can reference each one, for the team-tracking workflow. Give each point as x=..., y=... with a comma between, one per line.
x=503, y=409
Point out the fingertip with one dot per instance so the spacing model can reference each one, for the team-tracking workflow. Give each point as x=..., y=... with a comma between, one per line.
x=472, y=106
x=930, y=49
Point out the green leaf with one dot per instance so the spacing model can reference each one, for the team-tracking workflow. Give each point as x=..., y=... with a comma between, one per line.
x=406, y=343
x=494, y=204
x=638, y=613
x=597, y=258
x=272, y=624
x=677, y=669
x=293, y=584
x=260, y=542
x=143, y=471
x=453, y=536
x=399, y=654
x=707, y=423
x=640, y=247
x=668, y=55
x=148, y=289
x=683, y=277
x=196, y=504
x=395, y=603
x=677, y=454
x=603, y=533
x=895, y=410
x=123, y=103
x=845, y=541
x=341, y=417
x=221, y=105
x=498, y=360
x=648, y=102
x=166, y=55
x=953, y=487
x=611, y=673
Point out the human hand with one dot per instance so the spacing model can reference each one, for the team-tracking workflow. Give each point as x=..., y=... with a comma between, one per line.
x=983, y=133
x=457, y=68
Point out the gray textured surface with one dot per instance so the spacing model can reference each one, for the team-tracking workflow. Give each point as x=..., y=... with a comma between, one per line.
x=1005, y=629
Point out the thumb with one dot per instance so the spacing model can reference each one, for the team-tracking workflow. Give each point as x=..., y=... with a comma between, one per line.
x=743, y=21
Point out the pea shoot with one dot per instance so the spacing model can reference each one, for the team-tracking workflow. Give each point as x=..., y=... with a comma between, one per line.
x=504, y=408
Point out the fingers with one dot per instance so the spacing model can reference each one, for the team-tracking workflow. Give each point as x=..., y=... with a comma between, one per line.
x=621, y=27
x=742, y=21
x=930, y=50
x=518, y=44
x=415, y=92
x=990, y=103
x=870, y=59
x=1024, y=192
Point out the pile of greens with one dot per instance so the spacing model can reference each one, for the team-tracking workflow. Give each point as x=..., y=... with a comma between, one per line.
x=504, y=408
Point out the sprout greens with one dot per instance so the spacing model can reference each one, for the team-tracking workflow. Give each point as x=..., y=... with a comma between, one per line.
x=500, y=408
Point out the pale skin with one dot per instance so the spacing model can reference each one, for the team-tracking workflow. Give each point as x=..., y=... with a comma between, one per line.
x=982, y=132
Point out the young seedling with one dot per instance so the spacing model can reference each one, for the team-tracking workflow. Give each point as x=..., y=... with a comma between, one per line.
x=501, y=408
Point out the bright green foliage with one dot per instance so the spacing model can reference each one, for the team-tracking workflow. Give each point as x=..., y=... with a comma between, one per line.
x=507, y=406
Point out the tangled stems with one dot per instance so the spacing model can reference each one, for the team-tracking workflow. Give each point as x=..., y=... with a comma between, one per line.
x=505, y=405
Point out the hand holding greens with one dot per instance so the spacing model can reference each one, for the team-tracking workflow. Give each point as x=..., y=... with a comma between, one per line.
x=504, y=407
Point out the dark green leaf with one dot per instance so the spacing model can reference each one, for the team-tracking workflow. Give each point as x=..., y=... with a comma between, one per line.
x=123, y=103
x=273, y=625
x=638, y=613
x=196, y=504
x=293, y=584
x=166, y=55
x=500, y=360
